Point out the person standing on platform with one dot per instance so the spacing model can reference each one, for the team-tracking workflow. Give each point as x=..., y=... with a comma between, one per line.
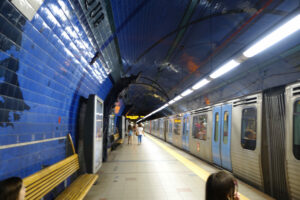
x=140, y=133
x=130, y=134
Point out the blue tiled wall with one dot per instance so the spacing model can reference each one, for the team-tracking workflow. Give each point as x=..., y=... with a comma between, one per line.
x=43, y=72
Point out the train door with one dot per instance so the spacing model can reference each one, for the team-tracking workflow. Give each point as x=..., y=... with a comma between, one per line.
x=222, y=136
x=186, y=132
x=226, y=136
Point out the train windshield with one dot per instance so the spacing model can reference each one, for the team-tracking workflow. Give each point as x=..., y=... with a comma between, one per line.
x=296, y=130
x=248, y=138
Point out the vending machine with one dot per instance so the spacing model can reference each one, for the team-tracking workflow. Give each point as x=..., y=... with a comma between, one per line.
x=93, y=134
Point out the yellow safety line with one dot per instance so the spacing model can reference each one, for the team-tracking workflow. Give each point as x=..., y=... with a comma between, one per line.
x=203, y=174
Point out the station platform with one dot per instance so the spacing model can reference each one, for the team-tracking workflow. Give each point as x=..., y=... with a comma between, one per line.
x=158, y=171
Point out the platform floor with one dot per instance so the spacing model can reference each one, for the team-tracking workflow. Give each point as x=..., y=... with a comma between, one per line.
x=156, y=170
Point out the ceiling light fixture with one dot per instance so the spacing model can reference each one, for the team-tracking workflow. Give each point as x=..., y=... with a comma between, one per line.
x=200, y=84
x=224, y=69
x=177, y=98
x=187, y=92
x=280, y=33
x=171, y=102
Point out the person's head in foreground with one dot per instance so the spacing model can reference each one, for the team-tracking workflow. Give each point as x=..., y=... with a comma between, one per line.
x=221, y=186
x=12, y=189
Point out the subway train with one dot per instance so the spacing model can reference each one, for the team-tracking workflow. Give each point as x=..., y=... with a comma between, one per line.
x=256, y=137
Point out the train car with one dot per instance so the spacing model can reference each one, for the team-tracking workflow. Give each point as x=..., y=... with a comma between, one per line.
x=292, y=147
x=256, y=137
x=201, y=131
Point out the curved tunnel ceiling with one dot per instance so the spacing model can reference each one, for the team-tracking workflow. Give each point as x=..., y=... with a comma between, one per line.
x=173, y=44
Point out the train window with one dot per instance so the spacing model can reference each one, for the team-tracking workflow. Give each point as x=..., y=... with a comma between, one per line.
x=200, y=127
x=170, y=127
x=177, y=126
x=186, y=126
x=248, y=137
x=225, y=128
x=161, y=125
x=153, y=126
x=296, y=130
x=216, y=133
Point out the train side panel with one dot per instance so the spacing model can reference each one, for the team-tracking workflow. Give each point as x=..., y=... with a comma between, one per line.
x=293, y=139
x=201, y=131
x=246, y=139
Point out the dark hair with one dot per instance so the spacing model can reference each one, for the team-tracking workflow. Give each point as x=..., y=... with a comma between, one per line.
x=219, y=186
x=10, y=188
x=139, y=125
x=129, y=128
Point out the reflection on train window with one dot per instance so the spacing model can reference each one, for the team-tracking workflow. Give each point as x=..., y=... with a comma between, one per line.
x=177, y=126
x=186, y=126
x=157, y=126
x=200, y=127
x=296, y=130
x=216, y=133
x=225, y=128
x=161, y=128
x=170, y=127
x=153, y=126
x=248, y=137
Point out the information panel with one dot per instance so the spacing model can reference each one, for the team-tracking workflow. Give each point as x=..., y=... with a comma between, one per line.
x=93, y=134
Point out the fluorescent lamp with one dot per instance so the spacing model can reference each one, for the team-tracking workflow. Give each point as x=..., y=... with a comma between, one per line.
x=171, y=102
x=187, y=92
x=200, y=84
x=283, y=31
x=224, y=69
x=177, y=98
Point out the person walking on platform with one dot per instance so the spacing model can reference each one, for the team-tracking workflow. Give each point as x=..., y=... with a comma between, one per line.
x=221, y=186
x=140, y=133
x=130, y=134
x=12, y=189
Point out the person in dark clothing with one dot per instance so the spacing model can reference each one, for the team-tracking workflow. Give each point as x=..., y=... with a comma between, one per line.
x=221, y=186
x=12, y=189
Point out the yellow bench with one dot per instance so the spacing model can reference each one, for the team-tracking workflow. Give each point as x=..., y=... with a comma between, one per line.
x=117, y=139
x=41, y=183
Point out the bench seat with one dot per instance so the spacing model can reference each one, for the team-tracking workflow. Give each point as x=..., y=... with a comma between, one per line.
x=42, y=182
x=79, y=188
